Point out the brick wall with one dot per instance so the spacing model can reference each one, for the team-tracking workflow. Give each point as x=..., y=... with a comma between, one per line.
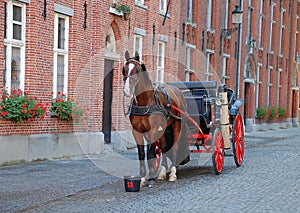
x=86, y=54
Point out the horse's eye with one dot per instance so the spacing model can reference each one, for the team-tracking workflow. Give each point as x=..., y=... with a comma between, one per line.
x=123, y=71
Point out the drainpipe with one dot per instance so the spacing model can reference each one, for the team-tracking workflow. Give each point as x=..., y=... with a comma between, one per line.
x=239, y=56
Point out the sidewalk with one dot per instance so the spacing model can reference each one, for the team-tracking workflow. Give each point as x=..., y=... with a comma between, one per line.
x=276, y=134
x=26, y=185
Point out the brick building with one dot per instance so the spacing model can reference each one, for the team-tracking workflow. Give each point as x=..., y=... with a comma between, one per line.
x=258, y=58
x=77, y=47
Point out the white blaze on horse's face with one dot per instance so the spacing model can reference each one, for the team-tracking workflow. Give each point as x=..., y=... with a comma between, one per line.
x=127, y=81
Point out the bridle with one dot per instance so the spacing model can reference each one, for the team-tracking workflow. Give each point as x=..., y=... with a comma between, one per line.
x=134, y=79
x=132, y=88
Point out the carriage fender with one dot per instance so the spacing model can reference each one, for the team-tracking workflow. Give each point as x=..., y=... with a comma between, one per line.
x=235, y=107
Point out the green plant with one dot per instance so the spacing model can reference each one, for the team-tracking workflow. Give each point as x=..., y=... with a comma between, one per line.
x=271, y=113
x=20, y=107
x=261, y=113
x=281, y=112
x=122, y=8
x=66, y=109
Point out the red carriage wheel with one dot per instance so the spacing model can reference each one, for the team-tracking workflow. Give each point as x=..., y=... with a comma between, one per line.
x=218, y=151
x=238, y=140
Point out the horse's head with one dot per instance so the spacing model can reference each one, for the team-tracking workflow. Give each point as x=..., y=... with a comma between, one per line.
x=131, y=70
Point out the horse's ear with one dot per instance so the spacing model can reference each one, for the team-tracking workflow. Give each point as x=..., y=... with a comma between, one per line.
x=137, y=56
x=143, y=67
x=127, y=56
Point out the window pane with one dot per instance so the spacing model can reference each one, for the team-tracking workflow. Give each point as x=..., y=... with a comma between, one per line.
x=137, y=44
x=17, y=13
x=17, y=32
x=60, y=73
x=160, y=59
x=5, y=21
x=162, y=5
x=61, y=33
x=15, y=68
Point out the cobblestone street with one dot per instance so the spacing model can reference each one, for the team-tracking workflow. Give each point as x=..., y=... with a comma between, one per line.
x=268, y=181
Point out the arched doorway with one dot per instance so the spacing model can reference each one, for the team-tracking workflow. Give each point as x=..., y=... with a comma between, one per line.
x=110, y=57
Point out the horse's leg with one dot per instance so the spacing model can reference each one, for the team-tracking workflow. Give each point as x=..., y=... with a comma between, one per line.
x=141, y=153
x=164, y=164
x=150, y=160
x=177, y=134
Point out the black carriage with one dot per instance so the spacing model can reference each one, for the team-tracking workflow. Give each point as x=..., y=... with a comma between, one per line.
x=206, y=126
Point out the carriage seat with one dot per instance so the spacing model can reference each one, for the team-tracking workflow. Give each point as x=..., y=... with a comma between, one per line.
x=199, y=96
x=230, y=97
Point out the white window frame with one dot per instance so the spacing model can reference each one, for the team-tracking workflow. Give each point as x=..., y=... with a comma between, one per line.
x=10, y=43
x=250, y=10
x=140, y=49
x=209, y=15
x=160, y=67
x=63, y=52
x=258, y=83
x=282, y=27
x=272, y=22
x=208, y=74
x=188, y=70
x=261, y=17
x=224, y=71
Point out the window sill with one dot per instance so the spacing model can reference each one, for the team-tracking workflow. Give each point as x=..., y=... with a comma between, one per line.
x=141, y=6
x=191, y=23
x=115, y=12
x=162, y=13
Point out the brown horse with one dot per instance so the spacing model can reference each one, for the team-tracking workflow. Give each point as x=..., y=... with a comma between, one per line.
x=151, y=114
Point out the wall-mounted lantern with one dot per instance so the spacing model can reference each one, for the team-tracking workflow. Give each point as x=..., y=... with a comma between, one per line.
x=237, y=16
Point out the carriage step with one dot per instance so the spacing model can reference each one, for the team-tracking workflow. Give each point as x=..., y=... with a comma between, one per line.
x=228, y=154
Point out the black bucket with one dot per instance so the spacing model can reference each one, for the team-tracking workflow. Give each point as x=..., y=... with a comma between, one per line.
x=132, y=183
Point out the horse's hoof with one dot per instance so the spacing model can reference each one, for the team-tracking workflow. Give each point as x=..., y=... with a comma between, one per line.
x=173, y=178
x=143, y=182
x=151, y=183
x=162, y=177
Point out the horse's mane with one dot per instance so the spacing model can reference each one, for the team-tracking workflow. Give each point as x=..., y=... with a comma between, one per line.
x=145, y=73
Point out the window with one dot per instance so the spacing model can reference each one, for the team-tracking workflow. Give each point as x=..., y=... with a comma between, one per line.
x=209, y=65
x=209, y=15
x=225, y=65
x=138, y=44
x=60, y=65
x=250, y=18
x=163, y=6
x=14, y=43
x=188, y=69
x=160, y=62
x=257, y=95
x=261, y=24
x=190, y=11
x=139, y=2
x=271, y=26
x=281, y=31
